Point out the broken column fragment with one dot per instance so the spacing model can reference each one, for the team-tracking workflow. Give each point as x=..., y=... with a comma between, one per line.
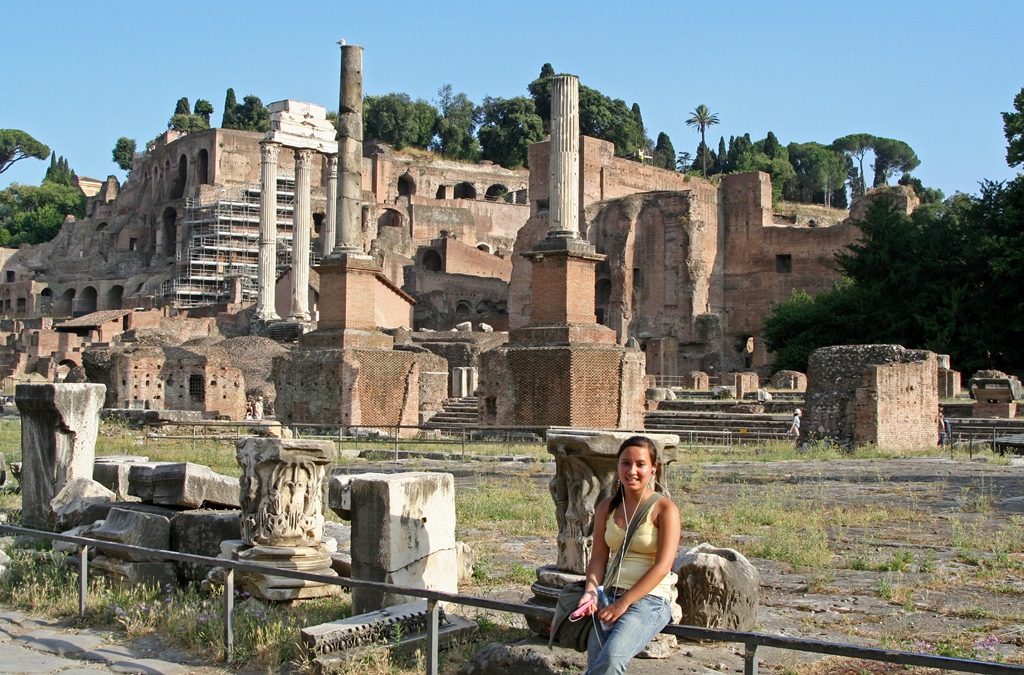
x=134, y=528
x=182, y=484
x=59, y=423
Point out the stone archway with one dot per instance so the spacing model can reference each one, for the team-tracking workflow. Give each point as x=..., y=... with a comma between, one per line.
x=497, y=193
x=87, y=301
x=389, y=218
x=203, y=167
x=180, y=178
x=66, y=304
x=465, y=191
x=602, y=300
x=112, y=298
x=406, y=185
x=432, y=261
x=170, y=232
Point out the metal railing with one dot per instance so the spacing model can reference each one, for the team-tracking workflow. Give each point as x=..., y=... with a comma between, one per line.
x=750, y=641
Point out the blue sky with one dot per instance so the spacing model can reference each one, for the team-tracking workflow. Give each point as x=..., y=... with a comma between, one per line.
x=935, y=74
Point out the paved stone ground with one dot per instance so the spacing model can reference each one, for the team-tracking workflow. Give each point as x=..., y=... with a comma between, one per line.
x=31, y=645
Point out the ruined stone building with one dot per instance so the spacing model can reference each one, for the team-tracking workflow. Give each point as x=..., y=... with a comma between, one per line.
x=691, y=266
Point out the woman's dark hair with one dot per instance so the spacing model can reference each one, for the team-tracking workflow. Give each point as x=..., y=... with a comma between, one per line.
x=632, y=442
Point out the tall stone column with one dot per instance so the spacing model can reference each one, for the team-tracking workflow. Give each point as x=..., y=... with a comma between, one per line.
x=564, y=167
x=350, y=152
x=303, y=219
x=327, y=236
x=267, y=266
x=282, y=521
x=59, y=424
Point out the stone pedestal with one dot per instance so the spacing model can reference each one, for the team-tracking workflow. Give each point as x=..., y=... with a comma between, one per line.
x=403, y=532
x=347, y=309
x=59, y=423
x=282, y=518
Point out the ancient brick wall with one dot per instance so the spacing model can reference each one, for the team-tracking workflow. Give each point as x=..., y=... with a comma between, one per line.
x=458, y=258
x=949, y=383
x=852, y=400
x=897, y=405
x=789, y=379
x=444, y=300
x=764, y=262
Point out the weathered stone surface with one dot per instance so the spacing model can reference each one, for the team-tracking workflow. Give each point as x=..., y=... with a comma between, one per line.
x=526, y=657
x=789, y=379
x=134, y=528
x=339, y=496
x=74, y=499
x=79, y=531
x=182, y=484
x=112, y=472
x=718, y=588
x=201, y=533
x=58, y=443
x=98, y=510
x=134, y=573
x=403, y=532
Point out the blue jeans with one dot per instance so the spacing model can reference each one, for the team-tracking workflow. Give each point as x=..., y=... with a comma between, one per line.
x=611, y=652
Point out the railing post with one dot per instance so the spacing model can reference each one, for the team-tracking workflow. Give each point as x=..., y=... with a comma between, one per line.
x=396, y=442
x=83, y=580
x=750, y=659
x=433, y=616
x=229, y=607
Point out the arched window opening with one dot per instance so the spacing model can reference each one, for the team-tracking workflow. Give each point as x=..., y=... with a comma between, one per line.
x=112, y=298
x=170, y=232
x=432, y=261
x=203, y=167
x=497, y=193
x=406, y=186
x=87, y=301
x=486, y=248
x=602, y=299
x=390, y=218
x=180, y=178
x=465, y=191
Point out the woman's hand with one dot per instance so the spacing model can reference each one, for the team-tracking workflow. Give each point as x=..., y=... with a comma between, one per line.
x=612, y=612
x=587, y=605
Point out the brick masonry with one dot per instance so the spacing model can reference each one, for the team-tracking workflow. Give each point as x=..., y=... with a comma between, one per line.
x=883, y=394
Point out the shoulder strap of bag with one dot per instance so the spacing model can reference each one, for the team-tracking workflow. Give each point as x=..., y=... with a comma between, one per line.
x=640, y=516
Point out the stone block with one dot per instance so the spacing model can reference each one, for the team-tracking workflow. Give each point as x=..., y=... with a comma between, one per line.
x=339, y=496
x=112, y=472
x=182, y=484
x=718, y=588
x=59, y=423
x=403, y=532
x=159, y=574
x=134, y=528
x=72, y=501
x=97, y=511
x=201, y=533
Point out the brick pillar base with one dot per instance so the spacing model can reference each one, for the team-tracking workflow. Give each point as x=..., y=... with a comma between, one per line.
x=347, y=308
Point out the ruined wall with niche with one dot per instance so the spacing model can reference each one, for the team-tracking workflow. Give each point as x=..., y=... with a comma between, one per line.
x=762, y=263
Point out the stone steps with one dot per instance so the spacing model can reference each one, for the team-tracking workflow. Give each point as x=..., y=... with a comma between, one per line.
x=456, y=413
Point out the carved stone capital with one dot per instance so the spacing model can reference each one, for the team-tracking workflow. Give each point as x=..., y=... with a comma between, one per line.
x=269, y=152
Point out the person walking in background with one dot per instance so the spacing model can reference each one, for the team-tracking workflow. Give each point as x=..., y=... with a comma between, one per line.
x=794, y=428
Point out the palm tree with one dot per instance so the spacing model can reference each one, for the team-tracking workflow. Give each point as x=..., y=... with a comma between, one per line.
x=702, y=118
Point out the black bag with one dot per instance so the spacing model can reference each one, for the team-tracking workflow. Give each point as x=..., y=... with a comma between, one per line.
x=576, y=634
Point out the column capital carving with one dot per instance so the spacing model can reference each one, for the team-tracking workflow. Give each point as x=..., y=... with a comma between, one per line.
x=303, y=156
x=332, y=166
x=269, y=151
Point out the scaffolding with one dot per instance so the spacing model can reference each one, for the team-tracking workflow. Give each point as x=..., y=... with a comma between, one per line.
x=221, y=242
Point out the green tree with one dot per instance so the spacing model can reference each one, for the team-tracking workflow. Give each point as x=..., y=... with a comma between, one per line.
x=16, y=145
x=721, y=157
x=399, y=121
x=684, y=161
x=252, y=115
x=229, y=118
x=182, y=107
x=856, y=146
x=927, y=195
x=204, y=109
x=701, y=119
x=892, y=157
x=455, y=128
x=664, y=153
x=124, y=152
x=1013, y=129
x=772, y=147
x=818, y=173
x=59, y=172
x=507, y=128
x=703, y=158
x=32, y=214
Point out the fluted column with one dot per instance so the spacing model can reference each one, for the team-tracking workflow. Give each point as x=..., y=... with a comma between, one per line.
x=564, y=178
x=303, y=219
x=327, y=236
x=350, y=152
x=267, y=265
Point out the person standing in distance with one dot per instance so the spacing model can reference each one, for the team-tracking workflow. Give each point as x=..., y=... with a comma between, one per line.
x=794, y=428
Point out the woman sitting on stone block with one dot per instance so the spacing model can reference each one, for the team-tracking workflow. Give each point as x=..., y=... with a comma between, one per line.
x=629, y=601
